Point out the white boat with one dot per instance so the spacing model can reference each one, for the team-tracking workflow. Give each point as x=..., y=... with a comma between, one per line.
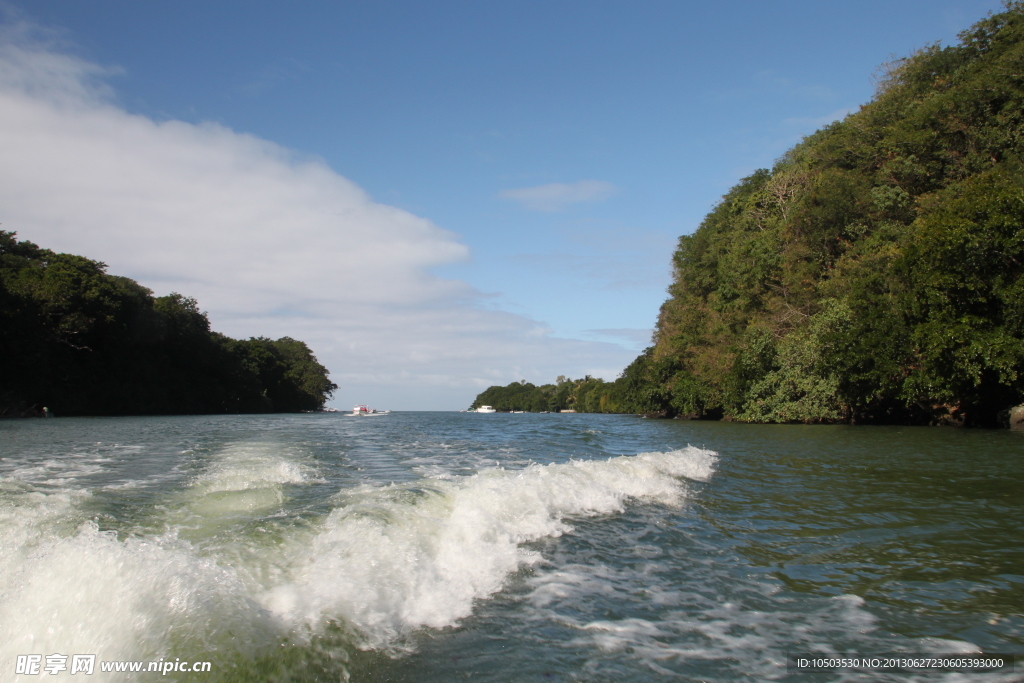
x=366, y=410
x=486, y=409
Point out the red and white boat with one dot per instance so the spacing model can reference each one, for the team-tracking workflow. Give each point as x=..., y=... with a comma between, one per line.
x=366, y=410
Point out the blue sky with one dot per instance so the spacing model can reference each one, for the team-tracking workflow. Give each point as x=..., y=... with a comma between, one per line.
x=506, y=180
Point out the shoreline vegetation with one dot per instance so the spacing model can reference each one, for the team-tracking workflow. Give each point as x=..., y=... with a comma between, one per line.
x=77, y=341
x=872, y=276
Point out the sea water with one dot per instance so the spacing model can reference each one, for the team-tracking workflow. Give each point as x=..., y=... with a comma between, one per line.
x=526, y=547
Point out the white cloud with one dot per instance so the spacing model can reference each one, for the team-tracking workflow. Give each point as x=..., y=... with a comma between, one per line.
x=619, y=257
x=269, y=243
x=637, y=338
x=556, y=196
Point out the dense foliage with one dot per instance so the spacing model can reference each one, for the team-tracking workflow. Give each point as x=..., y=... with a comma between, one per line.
x=875, y=273
x=82, y=342
x=587, y=395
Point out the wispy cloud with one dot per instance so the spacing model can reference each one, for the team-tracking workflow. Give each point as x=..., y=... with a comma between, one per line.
x=614, y=258
x=556, y=196
x=268, y=241
x=636, y=338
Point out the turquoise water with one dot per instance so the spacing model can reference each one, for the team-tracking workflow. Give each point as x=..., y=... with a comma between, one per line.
x=447, y=546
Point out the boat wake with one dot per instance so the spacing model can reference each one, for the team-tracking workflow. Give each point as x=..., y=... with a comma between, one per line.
x=384, y=562
x=397, y=558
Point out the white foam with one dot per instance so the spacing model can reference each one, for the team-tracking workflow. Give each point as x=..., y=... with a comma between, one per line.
x=693, y=625
x=28, y=516
x=248, y=466
x=132, y=599
x=387, y=561
x=393, y=559
x=242, y=481
x=67, y=587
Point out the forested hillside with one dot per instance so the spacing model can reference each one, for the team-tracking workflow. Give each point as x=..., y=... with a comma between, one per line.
x=587, y=395
x=82, y=342
x=874, y=274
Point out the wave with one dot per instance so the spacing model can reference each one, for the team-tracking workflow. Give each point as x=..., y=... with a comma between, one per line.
x=245, y=479
x=383, y=563
x=393, y=559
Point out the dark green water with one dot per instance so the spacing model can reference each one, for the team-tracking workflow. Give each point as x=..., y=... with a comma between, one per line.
x=439, y=546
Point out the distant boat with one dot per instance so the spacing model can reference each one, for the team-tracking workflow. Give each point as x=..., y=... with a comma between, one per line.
x=486, y=409
x=366, y=410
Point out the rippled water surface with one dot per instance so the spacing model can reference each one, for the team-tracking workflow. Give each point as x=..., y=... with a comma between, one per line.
x=447, y=546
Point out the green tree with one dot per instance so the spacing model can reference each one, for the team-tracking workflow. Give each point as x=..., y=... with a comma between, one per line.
x=83, y=342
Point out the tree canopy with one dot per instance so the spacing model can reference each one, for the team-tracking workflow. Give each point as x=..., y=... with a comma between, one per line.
x=82, y=342
x=874, y=274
